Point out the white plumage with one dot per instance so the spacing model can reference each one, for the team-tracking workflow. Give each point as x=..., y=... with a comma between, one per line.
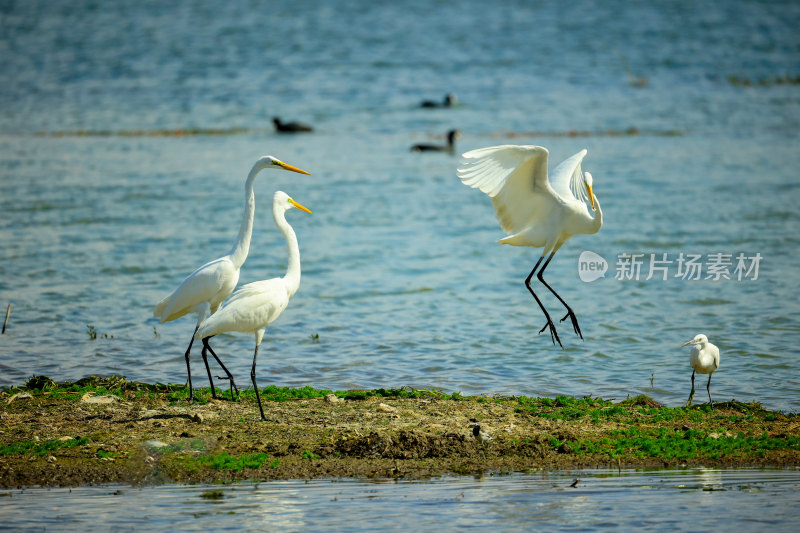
x=704, y=359
x=205, y=288
x=256, y=305
x=532, y=209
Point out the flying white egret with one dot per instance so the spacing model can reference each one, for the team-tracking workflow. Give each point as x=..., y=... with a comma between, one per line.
x=205, y=288
x=533, y=210
x=256, y=305
x=704, y=359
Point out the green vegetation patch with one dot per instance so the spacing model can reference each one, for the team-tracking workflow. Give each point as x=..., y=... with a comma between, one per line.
x=223, y=461
x=40, y=449
x=678, y=444
x=640, y=409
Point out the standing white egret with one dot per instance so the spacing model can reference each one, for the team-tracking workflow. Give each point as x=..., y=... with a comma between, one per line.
x=256, y=305
x=704, y=359
x=205, y=288
x=533, y=210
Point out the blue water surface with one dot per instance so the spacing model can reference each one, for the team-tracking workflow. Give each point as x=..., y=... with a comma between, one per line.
x=108, y=197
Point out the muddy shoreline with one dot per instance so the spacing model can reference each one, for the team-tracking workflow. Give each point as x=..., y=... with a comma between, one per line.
x=106, y=431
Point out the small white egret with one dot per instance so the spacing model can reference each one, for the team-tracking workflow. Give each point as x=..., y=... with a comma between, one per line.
x=450, y=147
x=205, y=288
x=532, y=209
x=256, y=305
x=704, y=358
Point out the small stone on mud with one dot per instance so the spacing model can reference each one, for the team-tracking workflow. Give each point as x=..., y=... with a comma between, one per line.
x=332, y=398
x=386, y=408
x=154, y=444
x=51, y=459
x=89, y=397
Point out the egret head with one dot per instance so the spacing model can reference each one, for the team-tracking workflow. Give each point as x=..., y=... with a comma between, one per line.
x=268, y=161
x=281, y=200
x=698, y=339
x=587, y=179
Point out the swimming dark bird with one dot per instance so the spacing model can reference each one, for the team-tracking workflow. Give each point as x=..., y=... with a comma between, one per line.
x=452, y=135
x=291, y=127
x=450, y=100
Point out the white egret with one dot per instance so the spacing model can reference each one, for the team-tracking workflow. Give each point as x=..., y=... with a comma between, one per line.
x=205, y=288
x=452, y=135
x=256, y=305
x=704, y=358
x=532, y=209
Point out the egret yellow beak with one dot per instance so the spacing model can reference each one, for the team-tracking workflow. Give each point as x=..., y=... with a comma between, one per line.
x=298, y=206
x=287, y=166
x=591, y=195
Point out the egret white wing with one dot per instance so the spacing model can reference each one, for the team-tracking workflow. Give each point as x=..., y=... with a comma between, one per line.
x=251, y=307
x=513, y=176
x=567, y=178
x=212, y=282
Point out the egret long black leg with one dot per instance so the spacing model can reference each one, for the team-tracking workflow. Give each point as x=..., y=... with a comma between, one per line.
x=229, y=376
x=553, y=332
x=255, y=385
x=208, y=370
x=570, y=313
x=708, y=388
x=691, y=394
x=188, y=369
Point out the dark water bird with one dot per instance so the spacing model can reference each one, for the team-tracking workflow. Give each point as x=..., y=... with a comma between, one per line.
x=452, y=135
x=533, y=209
x=450, y=100
x=704, y=358
x=204, y=289
x=290, y=127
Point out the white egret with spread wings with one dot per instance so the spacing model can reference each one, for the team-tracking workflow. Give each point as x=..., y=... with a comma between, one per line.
x=534, y=210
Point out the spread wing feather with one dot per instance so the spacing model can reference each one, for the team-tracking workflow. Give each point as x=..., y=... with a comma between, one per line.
x=514, y=177
x=567, y=179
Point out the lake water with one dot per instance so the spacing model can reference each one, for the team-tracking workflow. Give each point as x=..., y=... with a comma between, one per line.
x=692, y=143
x=680, y=500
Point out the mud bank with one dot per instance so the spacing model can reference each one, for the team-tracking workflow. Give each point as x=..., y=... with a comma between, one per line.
x=109, y=430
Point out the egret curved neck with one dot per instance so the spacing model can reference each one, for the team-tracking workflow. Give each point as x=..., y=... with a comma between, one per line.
x=595, y=220
x=292, y=276
x=238, y=253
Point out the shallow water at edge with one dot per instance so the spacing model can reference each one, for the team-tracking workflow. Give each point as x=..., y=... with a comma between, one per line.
x=695, y=499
